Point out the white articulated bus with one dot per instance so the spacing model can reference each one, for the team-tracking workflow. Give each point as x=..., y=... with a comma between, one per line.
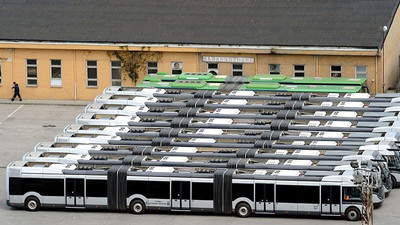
x=224, y=191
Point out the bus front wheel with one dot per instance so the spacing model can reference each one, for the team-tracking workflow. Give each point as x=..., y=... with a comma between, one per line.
x=353, y=214
x=32, y=204
x=138, y=207
x=243, y=210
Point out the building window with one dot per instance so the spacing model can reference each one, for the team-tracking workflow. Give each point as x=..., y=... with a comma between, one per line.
x=299, y=70
x=116, y=73
x=336, y=71
x=55, y=71
x=274, y=68
x=237, y=69
x=91, y=73
x=176, y=67
x=212, y=68
x=0, y=73
x=152, y=67
x=31, y=72
x=361, y=72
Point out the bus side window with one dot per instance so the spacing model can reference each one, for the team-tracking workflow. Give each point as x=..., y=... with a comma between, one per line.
x=286, y=193
x=159, y=189
x=308, y=194
x=96, y=188
x=243, y=190
x=15, y=186
x=137, y=187
x=351, y=194
x=202, y=191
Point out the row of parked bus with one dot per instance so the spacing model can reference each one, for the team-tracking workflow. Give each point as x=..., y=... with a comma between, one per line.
x=236, y=152
x=259, y=82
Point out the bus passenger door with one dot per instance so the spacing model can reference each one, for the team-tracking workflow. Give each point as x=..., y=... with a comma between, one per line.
x=330, y=199
x=180, y=195
x=75, y=190
x=264, y=198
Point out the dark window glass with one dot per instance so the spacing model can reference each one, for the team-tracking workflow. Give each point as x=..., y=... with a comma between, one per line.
x=274, y=68
x=176, y=71
x=242, y=190
x=92, y=83
x=92, y=73
x=185, y=189
x=308, y=194
x=237, y=66
x=32, y=72
x=351, y=194
x=330, y=194
x=264, y=192
x=31, y=61
x=237, y=73
x=56, y=62
x=336, y=71
x=137, y=187
x=116, y=63
x=45, y=187
x=32, y=82
x=158, y=189
x=286, y=193
x=213, y=66
x=55, y=72
x=80, y=187
x=96, y=188
x=53, y=187
x=180, y=189
x=70, y=186
x=299, y=67
x=33, y=184
x=152, y=71
x=116, y=73
x=296, y=74
x=335, y=194
x=15, y=186
x=92, y=63
x=152, y=64
x=202, y=191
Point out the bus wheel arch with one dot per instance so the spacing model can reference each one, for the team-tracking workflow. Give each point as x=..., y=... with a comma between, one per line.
x=352, y=214
x=137, y=206
x=32, y=203
x=243, y=209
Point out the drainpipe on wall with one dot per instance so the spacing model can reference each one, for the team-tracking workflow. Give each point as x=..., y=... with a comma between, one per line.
x=375, y=81
x=384, y=29
x=74, y=65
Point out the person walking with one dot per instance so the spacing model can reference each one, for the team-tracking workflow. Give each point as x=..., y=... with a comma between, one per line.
x=16, y=92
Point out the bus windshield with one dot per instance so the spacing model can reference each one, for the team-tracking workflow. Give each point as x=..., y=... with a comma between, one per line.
x=393, y=161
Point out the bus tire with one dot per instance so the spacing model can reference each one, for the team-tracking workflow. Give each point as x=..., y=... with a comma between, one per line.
x=352, y=214
x=394, y=181
x=32, y=204
x=243, y=210
x=137, y=206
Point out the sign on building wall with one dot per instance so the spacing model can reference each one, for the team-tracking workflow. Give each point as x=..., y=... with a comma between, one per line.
x=228, y=59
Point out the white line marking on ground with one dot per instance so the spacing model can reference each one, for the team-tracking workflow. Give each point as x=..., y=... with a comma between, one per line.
x=11, y=114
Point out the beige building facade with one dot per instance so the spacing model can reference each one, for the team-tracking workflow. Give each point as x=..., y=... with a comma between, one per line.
x=64, y=71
